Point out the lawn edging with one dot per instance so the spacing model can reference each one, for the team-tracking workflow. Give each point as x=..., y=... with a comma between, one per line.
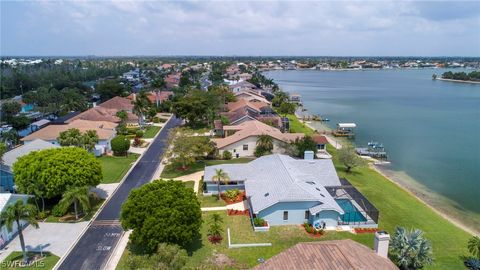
x=106, y=201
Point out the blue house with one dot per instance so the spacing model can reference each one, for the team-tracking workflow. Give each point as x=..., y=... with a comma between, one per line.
x=10, y=157
x=287, y=191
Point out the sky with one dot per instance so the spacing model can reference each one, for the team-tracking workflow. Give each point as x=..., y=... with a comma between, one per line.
x=259, y=28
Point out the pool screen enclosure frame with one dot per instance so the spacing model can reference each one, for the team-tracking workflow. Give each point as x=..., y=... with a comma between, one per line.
x=362, y=204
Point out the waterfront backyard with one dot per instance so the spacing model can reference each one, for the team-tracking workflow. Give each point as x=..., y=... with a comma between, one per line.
x=397, y=208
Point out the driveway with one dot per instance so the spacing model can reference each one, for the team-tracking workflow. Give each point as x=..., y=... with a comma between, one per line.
x=53, y=237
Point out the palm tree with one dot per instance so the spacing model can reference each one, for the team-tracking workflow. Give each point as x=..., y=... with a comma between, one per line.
x=264, y=144
x=410, y=250
x=89, y=139
x=474, y=246
x=15, y=213
x=140, y=106
x=220, y=176
x=70, y=137
x=76, y=195
x=159, y=84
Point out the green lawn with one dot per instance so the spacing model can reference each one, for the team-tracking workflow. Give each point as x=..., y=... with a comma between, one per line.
x=95, y=202
x=210, y=201
x=47, y=263
x=151, y=131
x=172, y=170
x=189, y=184
x=399, y=208
x=114, y=168
x=298, y=127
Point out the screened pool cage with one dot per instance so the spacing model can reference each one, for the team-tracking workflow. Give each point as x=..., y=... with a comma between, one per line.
x=358, y=210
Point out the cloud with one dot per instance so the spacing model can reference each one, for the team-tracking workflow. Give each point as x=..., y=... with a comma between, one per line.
x=240, y=28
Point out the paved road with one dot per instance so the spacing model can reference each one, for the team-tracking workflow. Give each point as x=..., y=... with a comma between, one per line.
x=96, y=245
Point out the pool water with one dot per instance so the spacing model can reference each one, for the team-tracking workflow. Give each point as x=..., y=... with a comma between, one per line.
x=351, y=212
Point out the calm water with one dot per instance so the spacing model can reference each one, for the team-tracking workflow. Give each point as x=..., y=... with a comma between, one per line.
x=431, y=129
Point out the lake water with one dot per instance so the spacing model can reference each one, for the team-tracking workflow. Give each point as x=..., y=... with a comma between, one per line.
x=431, y=129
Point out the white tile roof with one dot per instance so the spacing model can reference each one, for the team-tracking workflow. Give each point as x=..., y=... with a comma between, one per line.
x=9, y=198
x=38, y=144
x=279, y=178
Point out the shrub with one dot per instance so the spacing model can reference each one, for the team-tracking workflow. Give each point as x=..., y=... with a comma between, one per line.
x=215, y=239
x=58, y=211
x=120, y=145
x=259, y=222
x=156, y=120
x=137, y=142
x=41, y=215
x=472, y=263
x=139, y=134
x=227, y=155
x=232, y=194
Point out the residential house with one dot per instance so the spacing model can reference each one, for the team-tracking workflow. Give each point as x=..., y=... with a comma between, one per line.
x=287, y=191
x=342, y=255
x=105, y=131
x=256, y=106
x=242, y=86
x=153, y=96
x=7, y=199
x=241, y=139
x=172, y=80
x=107, y=111
x=10, y=157
x=321, y=141
x=251, y=96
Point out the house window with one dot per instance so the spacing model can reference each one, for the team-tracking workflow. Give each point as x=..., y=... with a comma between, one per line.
x=285, y=215
x=307, y=214
x=245, y=147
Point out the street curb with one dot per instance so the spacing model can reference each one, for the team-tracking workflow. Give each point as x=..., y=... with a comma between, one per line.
x=106, y=201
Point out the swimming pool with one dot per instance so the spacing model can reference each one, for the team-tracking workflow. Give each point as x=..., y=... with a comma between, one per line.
x=351, y=212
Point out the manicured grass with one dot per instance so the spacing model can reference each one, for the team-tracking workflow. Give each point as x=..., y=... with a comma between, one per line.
x=298, y=127
x=399, y=208
x=172, y=170
x=16, y=256
x=210, y=201
x=150, y=132
x=114, y=168
x=189, y=184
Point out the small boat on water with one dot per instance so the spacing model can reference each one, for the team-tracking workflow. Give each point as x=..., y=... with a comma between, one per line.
x=374, y=150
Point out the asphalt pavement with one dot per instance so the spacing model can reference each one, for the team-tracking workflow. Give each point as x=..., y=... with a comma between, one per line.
x=96, y=245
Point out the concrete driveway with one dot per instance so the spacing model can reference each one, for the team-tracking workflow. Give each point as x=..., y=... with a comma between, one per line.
x=53, y=237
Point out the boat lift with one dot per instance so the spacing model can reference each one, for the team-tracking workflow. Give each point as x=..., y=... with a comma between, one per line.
x=345, y=130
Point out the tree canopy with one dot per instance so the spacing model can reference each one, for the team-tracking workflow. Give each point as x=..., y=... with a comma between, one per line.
x=120, y=145
x=162, y=212
x=187, y=149
x=349, y=157
x=49, y=173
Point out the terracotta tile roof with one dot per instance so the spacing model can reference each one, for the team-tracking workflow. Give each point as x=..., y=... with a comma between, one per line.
x=97, y=114
x=118, y=103
x=105, y=130
x=255, y=105
x=254, y=128
x=250, y=95
x=163, y=95
x=328, y=255
x=320, y=139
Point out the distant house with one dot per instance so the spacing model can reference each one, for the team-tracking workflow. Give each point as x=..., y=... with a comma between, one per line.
x=105, y=131
x=253, y=105
x=39, y=124
x=7, y=199
x=242, y=86
x=326, y=255
x=10, y=157
x=153, y=96
x=287, y=191
x=251, y=96
x=107, y=111
x=241, y=139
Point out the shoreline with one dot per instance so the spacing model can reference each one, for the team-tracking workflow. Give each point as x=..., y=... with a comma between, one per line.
x=458, y=81
x=410, y=189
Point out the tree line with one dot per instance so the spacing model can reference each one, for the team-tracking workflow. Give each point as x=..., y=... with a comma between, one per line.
x=462, y=76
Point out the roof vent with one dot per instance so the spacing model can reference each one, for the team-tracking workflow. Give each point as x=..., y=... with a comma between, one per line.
x=310, y=182
x=317, y=189
x=266, y=194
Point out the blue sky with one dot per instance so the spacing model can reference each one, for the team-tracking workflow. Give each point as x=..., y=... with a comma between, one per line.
x=367, y=28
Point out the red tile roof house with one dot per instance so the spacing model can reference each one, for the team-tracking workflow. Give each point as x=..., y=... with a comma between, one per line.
x=241, y=139
x=105, y=131
x=107, y=111
x=153, y=96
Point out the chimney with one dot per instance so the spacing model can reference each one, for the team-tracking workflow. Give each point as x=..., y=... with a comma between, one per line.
x=308, y=155
x=382, y=239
